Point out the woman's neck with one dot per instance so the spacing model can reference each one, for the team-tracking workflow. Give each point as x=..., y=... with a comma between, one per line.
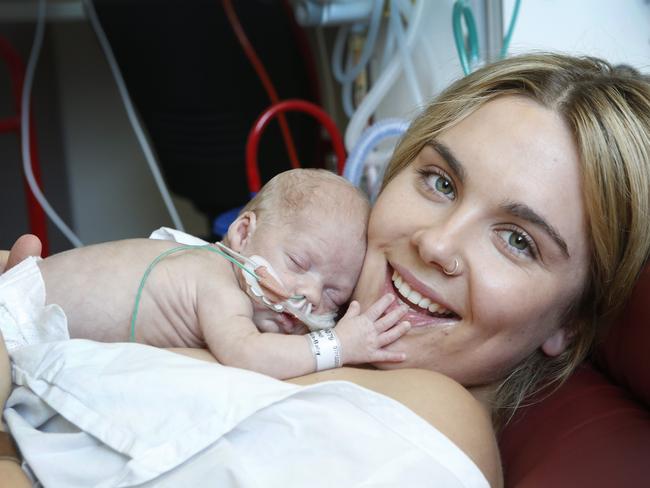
x=484, y=395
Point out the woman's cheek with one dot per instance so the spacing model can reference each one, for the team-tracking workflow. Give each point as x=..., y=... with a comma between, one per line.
x=371, y=280
x=516, y=310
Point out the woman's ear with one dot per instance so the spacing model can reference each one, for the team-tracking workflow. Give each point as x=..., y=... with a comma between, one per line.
x=557, y=343
x=241, y=230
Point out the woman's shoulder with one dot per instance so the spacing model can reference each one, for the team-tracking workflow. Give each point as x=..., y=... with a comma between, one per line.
x=439, y=400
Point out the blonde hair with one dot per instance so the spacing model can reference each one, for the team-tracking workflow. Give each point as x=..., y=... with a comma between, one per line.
x=608, y=111
x=307, y=189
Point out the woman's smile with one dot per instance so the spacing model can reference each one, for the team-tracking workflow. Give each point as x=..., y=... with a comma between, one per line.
x=426, y=307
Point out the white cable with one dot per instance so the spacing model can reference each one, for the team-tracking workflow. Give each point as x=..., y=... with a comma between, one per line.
x=24, y=127
x=323, y=60
x=347, y=93
x=352, y=72
x=409, y=70
x=133, y=118
x=389, y=48
x=381, y=86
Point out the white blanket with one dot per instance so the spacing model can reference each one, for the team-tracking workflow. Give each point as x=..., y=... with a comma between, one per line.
x=91, y=414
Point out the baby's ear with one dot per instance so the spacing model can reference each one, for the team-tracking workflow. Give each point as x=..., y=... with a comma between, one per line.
x=241, y=230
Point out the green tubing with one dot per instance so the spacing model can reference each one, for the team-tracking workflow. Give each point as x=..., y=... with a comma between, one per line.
x=162, y=256
x=511, y=28
x=469, y=54
x=462, y=12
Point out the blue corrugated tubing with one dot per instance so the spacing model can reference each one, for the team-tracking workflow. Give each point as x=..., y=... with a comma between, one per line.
x=372, y=136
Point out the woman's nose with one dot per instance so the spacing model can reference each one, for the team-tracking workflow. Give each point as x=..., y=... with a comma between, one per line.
x=442, y=243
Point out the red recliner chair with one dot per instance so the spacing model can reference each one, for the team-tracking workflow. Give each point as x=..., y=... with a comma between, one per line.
x=594, y=431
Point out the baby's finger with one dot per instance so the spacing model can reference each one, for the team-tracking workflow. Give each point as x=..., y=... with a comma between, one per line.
x=391, y=318
x=352, y=311
x=379, y=307
x=393, y=334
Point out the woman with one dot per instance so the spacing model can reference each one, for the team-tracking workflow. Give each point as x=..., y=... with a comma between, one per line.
x=513, y=221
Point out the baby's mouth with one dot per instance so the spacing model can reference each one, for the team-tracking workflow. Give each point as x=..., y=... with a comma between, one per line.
x=289, y=324
x=418, y=302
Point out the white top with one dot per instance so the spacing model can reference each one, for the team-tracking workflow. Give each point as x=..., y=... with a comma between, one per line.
x=133, y=414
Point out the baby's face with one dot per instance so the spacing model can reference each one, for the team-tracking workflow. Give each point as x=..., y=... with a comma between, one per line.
x=314, y=254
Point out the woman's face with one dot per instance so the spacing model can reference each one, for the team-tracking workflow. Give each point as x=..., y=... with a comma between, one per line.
x=500, y=193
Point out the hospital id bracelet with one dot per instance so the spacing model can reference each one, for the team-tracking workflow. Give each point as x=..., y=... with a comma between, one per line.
x=8, y=450
x=326, y=348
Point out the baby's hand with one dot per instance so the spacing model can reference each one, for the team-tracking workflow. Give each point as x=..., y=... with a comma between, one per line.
x=364, y=336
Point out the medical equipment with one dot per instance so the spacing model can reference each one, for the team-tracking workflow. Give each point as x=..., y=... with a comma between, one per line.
x=24, y=127
x=384, y=82
x=16, y=68
x=468, y=51
x=248, y=49
x=262, y=282
x=369, y=139
x=133, y=118
x=347, y=75
x=310, y=13
x=221, y=223
x=252, y=169
x=25, y=121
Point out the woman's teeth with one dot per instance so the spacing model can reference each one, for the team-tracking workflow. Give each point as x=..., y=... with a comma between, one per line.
x=416, y=298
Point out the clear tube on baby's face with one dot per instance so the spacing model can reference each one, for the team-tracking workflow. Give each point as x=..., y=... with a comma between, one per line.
x=299, y=307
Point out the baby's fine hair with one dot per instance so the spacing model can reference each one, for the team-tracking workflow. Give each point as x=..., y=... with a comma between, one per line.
x=308, y=189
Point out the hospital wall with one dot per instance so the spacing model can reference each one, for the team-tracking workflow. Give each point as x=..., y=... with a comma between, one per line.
x=94, y=172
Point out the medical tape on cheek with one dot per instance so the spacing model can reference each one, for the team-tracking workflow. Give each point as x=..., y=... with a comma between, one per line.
x=326, y=348
x=251, y=264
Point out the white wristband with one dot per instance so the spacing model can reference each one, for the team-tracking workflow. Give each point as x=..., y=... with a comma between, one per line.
x=326, y=348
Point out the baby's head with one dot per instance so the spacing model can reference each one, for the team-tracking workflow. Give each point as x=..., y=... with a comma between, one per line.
x=310, y=225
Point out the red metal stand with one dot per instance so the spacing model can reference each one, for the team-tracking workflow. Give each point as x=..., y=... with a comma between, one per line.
x=37, y=217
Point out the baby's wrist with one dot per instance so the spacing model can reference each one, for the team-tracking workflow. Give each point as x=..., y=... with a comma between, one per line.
x=326, y=349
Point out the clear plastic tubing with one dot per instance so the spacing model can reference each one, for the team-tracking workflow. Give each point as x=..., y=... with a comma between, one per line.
x=381, y=86
x=24, y=127
x=350, y=74
x=369, y=139
x=404, y=51
x=133, y=118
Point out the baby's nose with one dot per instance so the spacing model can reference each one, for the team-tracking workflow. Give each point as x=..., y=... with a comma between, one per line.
x=312, y=290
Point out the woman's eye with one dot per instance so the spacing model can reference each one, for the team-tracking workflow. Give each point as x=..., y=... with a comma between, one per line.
x=519, y=242
x=443, y=185
x=436, y=180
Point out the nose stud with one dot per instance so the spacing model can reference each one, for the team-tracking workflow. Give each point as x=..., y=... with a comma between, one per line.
x=454, y=270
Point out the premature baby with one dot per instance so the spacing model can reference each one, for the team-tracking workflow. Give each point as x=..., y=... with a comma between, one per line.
x=310, y=228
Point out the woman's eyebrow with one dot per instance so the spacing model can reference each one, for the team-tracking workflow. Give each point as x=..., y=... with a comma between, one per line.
x=446, y=154
x=526, y=213
x=519, y=210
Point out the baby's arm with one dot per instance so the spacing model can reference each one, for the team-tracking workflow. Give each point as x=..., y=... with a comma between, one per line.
x=235, y=341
